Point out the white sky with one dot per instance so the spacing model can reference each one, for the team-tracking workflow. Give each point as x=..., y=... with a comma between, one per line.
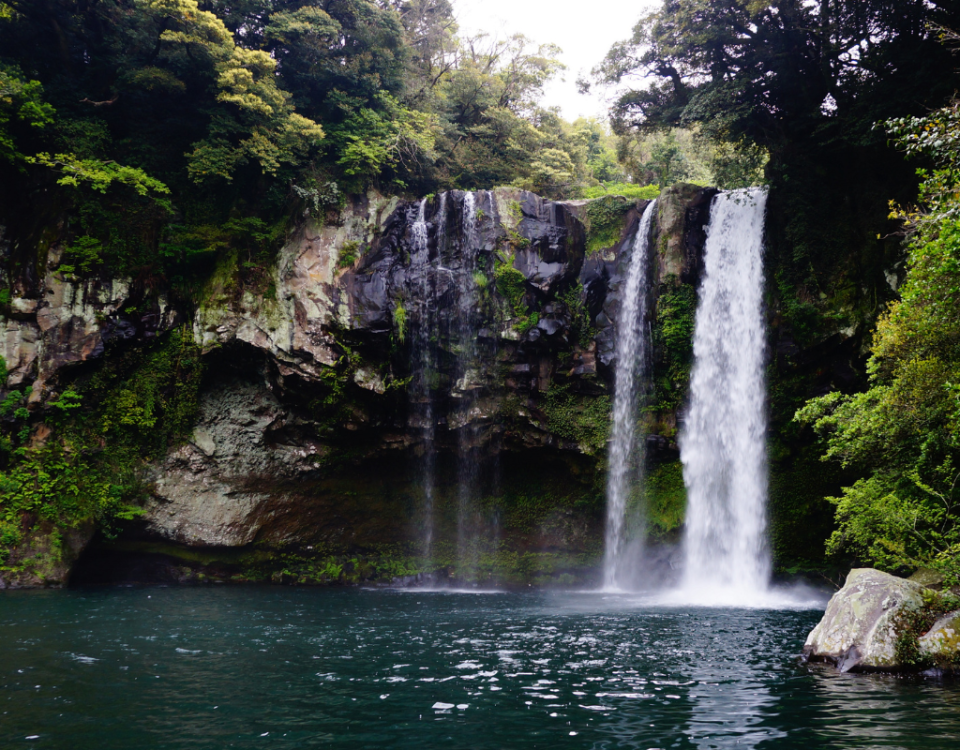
x=584, y=29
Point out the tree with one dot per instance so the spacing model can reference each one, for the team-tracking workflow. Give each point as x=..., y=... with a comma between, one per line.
x=767, y=71
x=802, y=81
x=21, y=105
x=902, y=432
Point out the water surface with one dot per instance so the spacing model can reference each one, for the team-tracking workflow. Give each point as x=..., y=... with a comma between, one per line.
x=247, y=667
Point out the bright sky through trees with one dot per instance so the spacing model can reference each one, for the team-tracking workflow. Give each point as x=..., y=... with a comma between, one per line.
x=585, y=32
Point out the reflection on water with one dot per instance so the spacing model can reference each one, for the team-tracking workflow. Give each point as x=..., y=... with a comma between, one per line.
x=300, y=668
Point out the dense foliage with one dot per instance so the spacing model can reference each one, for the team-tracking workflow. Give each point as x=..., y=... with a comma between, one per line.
x=794, y=87
x=84, y=464
x=903, y=431
x=770, y=72
x=172, y=129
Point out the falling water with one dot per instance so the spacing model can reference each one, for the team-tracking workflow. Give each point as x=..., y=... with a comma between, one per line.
x=424, y=367
x=722, y=443
x=467, y=376
x=632, y=344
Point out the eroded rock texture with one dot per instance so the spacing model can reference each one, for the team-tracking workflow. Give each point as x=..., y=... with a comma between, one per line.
x=467, y=327
x=876, y=623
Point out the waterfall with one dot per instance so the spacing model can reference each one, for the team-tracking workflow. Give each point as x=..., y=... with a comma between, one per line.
x=632, y=345
x=722, y=441
x=419, y=229
x=424, y=367
x=467, y=375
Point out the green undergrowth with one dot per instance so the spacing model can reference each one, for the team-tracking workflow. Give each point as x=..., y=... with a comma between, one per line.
x=673, y=344
x=604, y=220
x=349, y=253
x=666, y=498
x=79, y=458
x=582, y=326
x=584, y=420
x=625, y=189
x=511, y=285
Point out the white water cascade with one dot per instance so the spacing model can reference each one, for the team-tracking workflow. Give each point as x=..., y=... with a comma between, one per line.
x=632, y=348
x=722, y=441
x=423, y=365
x=468, y=472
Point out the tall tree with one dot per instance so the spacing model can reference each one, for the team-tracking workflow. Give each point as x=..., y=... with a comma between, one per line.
x=805, y=80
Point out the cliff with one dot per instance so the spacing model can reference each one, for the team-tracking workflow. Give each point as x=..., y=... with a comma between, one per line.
x=413, y=388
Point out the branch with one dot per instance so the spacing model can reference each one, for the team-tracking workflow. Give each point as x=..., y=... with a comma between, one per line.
x=106, y=103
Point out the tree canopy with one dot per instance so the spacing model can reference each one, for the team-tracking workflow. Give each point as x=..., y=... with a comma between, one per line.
x=902, y=432
x=175, y=128
x=771, y=72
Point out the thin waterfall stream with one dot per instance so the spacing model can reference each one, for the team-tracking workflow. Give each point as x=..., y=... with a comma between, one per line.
x=465, y=389
x=424, y=367
x=626, y=454
x=723, y=438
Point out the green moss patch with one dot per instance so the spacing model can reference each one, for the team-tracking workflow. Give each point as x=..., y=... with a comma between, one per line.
x=604, y=220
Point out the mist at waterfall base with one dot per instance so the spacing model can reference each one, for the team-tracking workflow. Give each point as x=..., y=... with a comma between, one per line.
x=214, y=667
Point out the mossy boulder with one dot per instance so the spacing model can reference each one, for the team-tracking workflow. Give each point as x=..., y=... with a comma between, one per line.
x=881, y=623
x=942, y=641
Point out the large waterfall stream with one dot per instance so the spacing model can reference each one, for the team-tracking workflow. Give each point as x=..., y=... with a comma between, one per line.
x=632, y=346
x=722, y=443
x=723, y=436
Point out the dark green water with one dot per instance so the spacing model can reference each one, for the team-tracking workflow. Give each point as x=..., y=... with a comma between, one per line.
x=304, y=668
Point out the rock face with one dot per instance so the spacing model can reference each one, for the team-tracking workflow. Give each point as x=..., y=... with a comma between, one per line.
x=470, y=327
x=942, y=641
x=45, y=557
x=869, y=625
x=64, y=322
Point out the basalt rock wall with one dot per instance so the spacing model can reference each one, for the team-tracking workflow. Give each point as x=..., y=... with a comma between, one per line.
x=470, y=327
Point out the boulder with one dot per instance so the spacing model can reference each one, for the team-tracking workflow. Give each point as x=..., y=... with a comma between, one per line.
x=879, y=622
x=858, y=631
x=942, y=642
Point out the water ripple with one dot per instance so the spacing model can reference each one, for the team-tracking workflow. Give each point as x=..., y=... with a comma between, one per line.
x=246, y=667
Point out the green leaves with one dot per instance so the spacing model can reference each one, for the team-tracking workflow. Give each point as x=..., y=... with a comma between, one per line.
x=260, y=124
x=903, y=431
x=21, y=101
x=389, y=140
x=99, y=175
x=90, y=467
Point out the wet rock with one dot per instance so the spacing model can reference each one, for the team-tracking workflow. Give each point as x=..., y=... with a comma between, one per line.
x=683, y=212
x=942, y=642
x=205, y=492
x=46, y=556
x=931, y=579
x=859, y=630
x=661, y=450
